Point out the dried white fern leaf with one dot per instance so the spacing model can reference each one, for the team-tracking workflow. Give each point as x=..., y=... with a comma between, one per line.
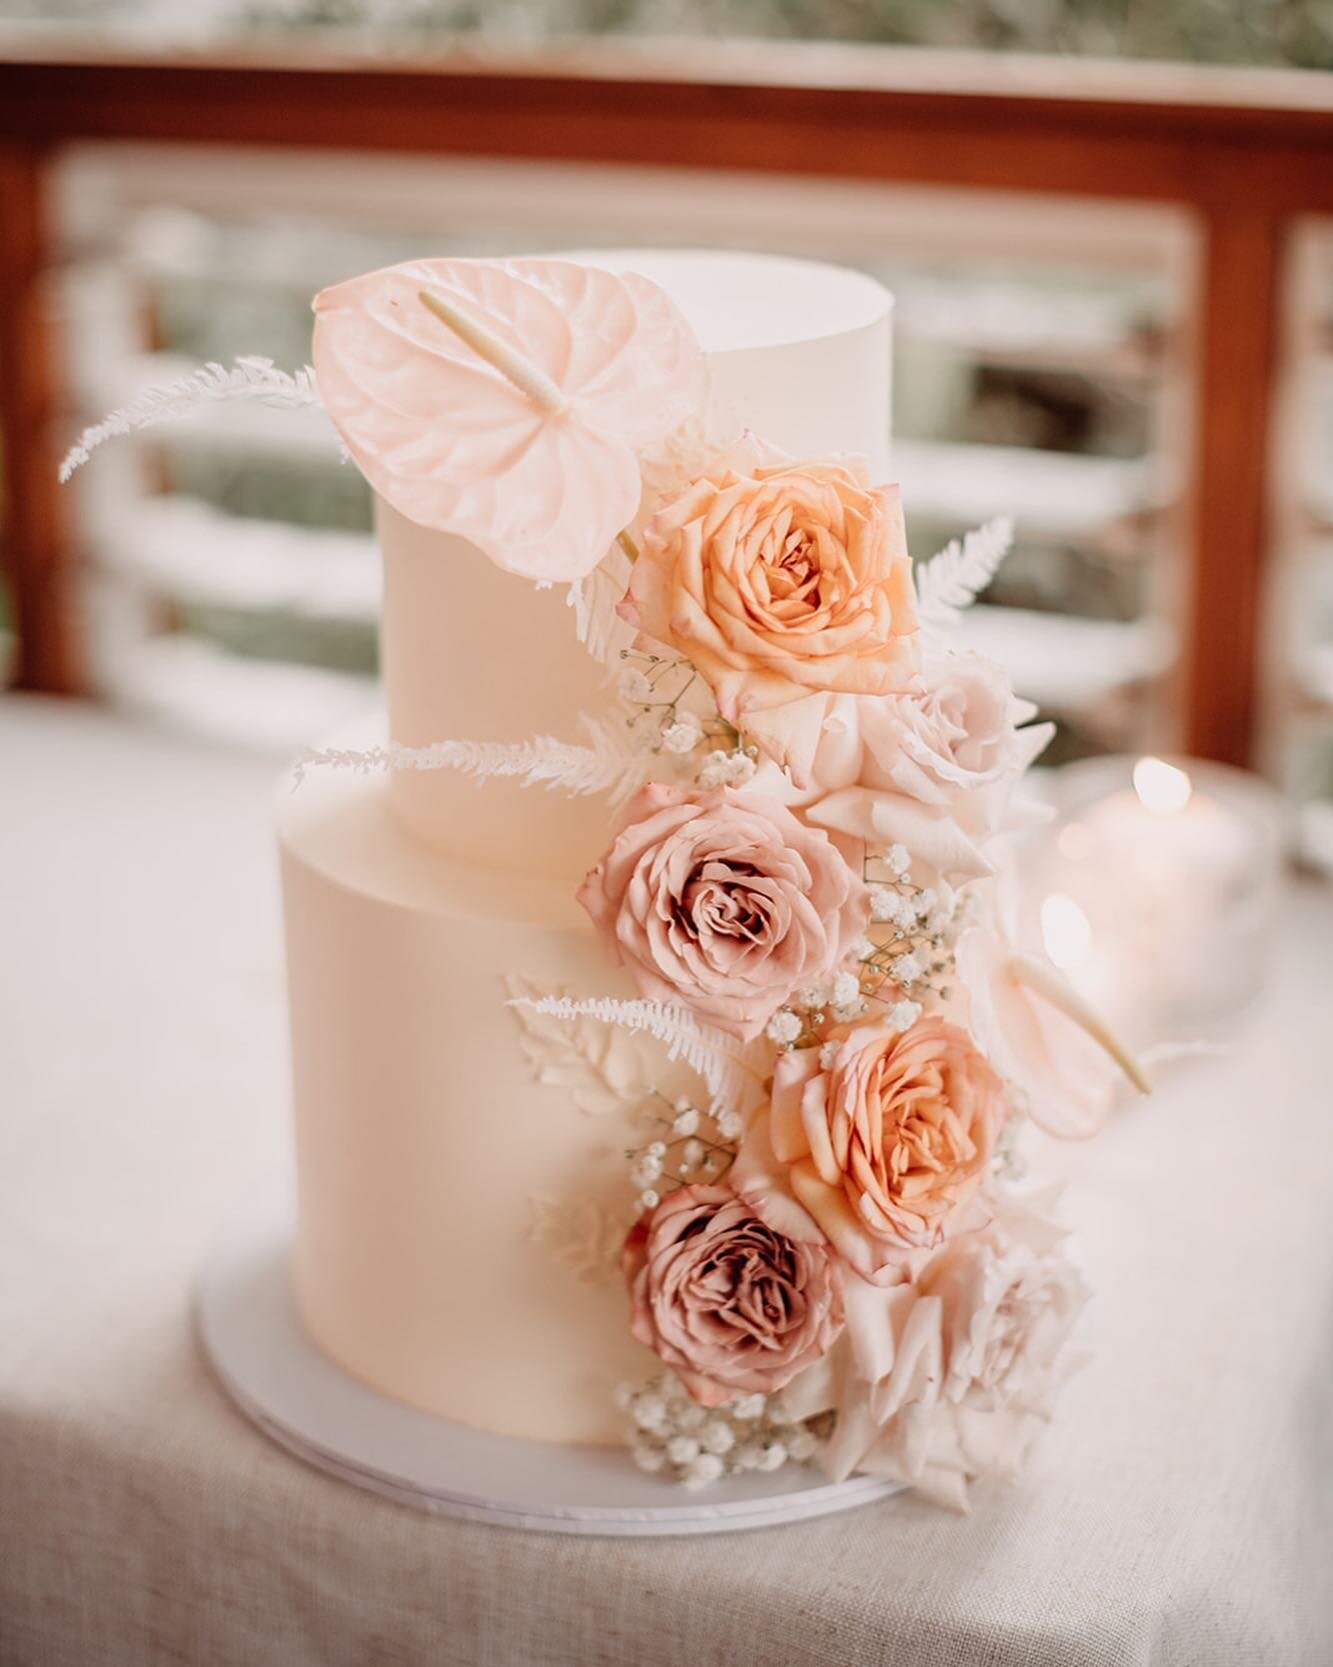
x=599, y=1066
x=953, y=579
x=579, y=1234
x=728, y=1067
x=602, y=766
x=594, y=600
x=248, y=379
x=666, y=468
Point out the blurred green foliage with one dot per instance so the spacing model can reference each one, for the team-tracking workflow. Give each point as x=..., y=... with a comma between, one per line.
x=1296, y=33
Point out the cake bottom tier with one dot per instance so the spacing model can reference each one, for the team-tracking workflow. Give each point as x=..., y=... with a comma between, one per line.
x=457, y=1217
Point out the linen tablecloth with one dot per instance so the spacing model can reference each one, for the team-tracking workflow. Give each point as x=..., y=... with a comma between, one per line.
x=1179, y=1510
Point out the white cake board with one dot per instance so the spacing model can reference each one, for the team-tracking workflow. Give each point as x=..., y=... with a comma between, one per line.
x=254, y=1338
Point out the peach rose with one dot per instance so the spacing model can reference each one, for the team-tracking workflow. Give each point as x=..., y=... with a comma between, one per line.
x=735, y=1301
x=774, y=579
x=888, y=1143
x=723, y=901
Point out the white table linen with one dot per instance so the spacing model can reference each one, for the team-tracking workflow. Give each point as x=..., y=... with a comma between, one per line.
x=1178, y=1512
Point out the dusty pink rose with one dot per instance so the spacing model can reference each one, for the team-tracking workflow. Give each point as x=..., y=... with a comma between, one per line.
x=734, y=1300
x=774, y=579
x=888, y=1143
x=723, y=901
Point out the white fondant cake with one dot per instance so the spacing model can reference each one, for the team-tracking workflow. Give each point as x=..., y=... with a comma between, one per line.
x=457, y=1216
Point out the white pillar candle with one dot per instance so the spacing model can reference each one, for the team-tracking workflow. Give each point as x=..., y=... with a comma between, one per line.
x=1154, y=889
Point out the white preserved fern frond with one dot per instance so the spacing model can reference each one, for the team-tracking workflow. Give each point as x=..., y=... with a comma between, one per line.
x=249, y=378
x=600, y=1067
x=578, y=1234
x=952, y=580
x=724, y=1063
x=604, y=765
x=594, y=600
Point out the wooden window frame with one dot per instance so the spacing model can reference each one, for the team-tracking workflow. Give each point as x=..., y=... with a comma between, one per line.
x=1246, y=153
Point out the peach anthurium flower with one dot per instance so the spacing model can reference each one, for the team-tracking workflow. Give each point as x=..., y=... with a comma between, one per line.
x=508, y=406
x=1065, y=1077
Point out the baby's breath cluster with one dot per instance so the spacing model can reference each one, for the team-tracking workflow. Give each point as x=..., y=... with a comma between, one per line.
x=689, y=1146
x=909, y=947
x=905, y=955
x=728, y=767
x=662, y=720
x=675, y=1436
x=1010, y=1161
x=801, y=1022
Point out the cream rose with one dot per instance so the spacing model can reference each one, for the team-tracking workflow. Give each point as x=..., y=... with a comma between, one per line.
x=777, y=578
x=941, y=1381
x=932, y=769
x=888, y=1144
x=734, y=1300
x=1009, y=1300
x=724, y=902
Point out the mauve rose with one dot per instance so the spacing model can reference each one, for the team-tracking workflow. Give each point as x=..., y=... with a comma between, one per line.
x=733, y=1302
x=888, y=1144
x=777, y=578
x=723, y=901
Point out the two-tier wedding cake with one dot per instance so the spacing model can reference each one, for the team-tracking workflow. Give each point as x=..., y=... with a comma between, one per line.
x=662, y=1049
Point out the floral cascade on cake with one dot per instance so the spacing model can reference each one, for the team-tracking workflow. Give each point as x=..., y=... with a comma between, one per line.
x=829, y=1249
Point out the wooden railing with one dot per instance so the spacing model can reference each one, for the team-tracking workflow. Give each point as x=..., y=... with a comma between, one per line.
x=1248, y=152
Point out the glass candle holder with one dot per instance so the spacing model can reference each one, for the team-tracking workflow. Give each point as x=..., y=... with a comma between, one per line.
x=1155, y=890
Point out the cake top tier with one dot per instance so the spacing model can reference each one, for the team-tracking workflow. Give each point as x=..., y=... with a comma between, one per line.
x=794, y=350
x=735, y=301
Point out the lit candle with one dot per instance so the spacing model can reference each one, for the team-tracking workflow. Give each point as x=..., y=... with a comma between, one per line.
x=1154, y=889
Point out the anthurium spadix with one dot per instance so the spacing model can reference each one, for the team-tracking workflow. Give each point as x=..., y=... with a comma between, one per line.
x=506, y=402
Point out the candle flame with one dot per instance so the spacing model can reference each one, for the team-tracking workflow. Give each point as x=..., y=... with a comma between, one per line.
x=1160, y=786
x=1065, y=930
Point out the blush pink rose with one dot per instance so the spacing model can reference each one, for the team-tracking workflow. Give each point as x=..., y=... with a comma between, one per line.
x=888, y=1144
x=1009, y=1299
x=776, y=578
x=722, y=901
x=735, y=1301
x=932, y=769
x=972, y=1357
x=948, y=1377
